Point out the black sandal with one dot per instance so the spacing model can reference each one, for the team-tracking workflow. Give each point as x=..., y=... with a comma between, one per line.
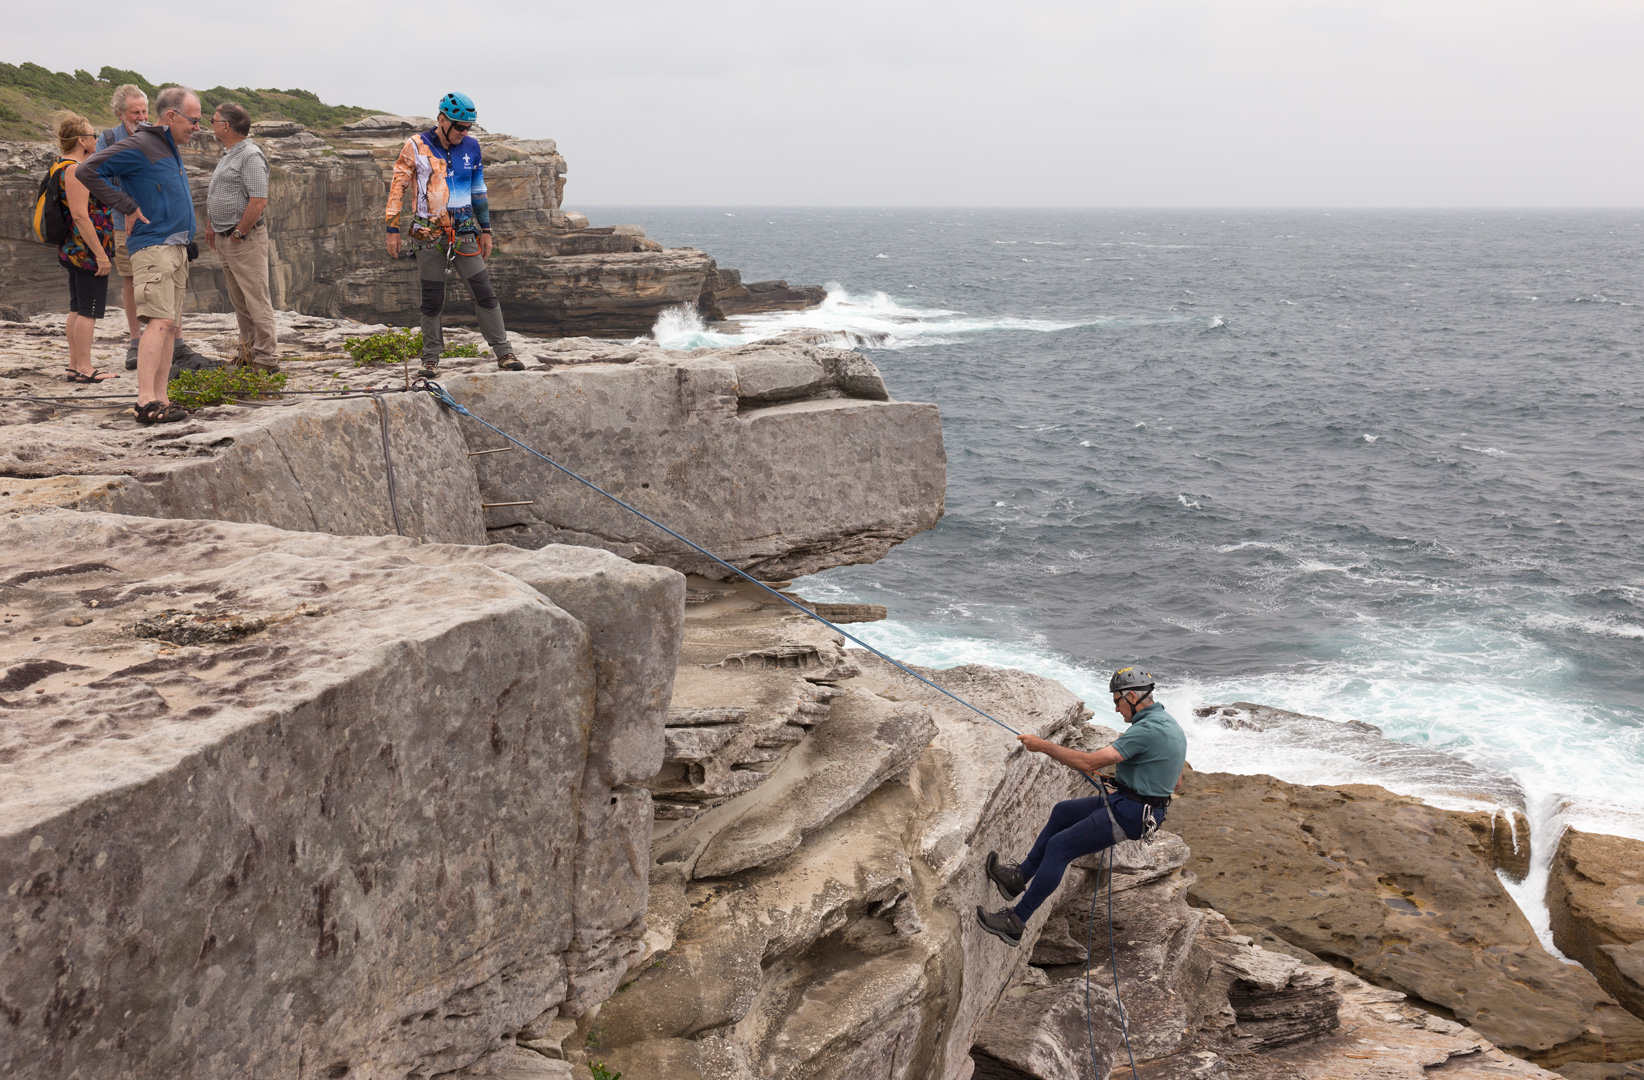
x=96, y=375
x=160, y=412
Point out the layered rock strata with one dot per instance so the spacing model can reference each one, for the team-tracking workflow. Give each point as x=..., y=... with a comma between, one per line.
x=1595, y=895
x=822, y=821
x=781, y=458
x=364, y=807
x=555, y=273
x=1402, y=894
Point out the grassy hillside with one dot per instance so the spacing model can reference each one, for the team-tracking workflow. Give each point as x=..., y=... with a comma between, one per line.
x=29, y=94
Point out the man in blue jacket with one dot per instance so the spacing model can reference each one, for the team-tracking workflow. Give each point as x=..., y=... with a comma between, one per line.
x=159, y=212
x=1148, y=760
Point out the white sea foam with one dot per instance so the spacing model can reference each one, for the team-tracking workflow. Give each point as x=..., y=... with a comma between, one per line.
x=1370, y=438
x=1439, y=686
x=851, y=321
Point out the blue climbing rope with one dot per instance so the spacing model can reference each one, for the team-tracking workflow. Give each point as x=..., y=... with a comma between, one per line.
x=444, y=397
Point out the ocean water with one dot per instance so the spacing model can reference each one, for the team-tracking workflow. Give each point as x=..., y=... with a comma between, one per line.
x=1374, y=466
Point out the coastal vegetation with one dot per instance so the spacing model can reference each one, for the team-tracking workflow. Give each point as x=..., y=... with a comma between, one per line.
x=399, y=346
x=29, y=94
x=219, y=386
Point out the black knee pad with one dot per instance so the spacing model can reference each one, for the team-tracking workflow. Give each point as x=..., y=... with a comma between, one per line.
x=433, y=297
x=484, y=295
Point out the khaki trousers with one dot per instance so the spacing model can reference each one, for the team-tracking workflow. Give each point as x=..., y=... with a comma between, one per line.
x=245, y=270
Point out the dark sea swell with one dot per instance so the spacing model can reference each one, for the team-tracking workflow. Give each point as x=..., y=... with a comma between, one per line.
x=1373, y=466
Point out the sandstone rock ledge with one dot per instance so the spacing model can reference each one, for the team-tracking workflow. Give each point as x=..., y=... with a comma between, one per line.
x=363, y=807
x=783, y=458
x=1402, y=894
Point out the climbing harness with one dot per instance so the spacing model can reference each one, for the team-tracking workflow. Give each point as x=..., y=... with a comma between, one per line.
x=444, y=397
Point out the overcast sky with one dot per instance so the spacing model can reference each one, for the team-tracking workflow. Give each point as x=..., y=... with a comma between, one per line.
x=1088, y=103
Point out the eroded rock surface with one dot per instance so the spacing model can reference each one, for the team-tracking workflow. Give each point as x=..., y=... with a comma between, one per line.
x=847, y=951
x=778, y=457
x=1398, y=892
x=381, y=834
x=1595, y=894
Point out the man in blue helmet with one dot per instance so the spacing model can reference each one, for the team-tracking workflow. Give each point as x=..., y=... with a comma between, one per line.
x=1148, y=760
x=450, y=226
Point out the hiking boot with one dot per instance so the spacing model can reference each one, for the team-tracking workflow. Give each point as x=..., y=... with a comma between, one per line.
x=509, y=362
x=131, y=355
x=1007, y=877
x=430, y=370
x=1002, y=924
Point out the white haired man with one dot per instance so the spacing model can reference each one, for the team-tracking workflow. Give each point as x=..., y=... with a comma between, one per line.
x=150, y=164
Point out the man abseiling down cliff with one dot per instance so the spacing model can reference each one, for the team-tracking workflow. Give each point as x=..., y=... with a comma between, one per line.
x=1148, y=760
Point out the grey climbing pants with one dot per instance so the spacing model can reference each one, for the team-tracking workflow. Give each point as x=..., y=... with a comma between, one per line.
x=470, y=264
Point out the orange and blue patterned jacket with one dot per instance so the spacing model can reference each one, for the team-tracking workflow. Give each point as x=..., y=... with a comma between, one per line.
x=448, y=187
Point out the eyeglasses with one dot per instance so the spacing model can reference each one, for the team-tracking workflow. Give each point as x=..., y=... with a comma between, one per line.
x=194, y=120
x=458, y=127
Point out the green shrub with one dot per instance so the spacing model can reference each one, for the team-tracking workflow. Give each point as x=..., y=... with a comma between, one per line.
x=199, y=389
x=398, y=346
x=602, y=1073
x=388, y=347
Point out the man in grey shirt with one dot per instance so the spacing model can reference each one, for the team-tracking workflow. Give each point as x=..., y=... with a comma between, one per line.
x=234, y=209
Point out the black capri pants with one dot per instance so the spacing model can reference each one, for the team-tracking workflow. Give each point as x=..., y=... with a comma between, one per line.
x=88, y=293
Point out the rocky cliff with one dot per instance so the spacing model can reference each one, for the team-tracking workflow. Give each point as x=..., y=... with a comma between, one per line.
x=282, y=795
x=555, y=273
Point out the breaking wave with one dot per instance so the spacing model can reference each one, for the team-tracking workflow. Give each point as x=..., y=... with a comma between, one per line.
x=874, y=321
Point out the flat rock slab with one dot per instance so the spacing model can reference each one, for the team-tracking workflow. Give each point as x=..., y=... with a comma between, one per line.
x=1382, y=1037
x=358, y=834
x=1398, y=891
x=1595, y=894
x=782, y=458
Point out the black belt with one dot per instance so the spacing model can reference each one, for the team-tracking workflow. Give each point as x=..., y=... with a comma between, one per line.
x=1158, y=802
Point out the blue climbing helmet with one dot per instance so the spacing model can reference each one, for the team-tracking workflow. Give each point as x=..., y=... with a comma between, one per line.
x=458, y=107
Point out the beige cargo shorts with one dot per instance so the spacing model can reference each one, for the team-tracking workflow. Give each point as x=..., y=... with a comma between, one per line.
x=159, y=275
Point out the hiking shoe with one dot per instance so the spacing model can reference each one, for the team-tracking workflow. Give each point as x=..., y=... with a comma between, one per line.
x=1002, y=924
x=131, y=355
x=1007, y=877
x=430, y=370
x=509, y=362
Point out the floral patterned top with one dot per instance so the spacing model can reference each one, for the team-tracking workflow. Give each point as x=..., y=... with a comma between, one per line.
x=72, y=252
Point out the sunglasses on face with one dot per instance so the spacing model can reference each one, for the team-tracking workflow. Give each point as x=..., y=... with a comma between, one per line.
x=458, y=127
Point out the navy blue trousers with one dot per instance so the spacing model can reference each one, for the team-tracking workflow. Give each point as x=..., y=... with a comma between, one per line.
x=1076, y=827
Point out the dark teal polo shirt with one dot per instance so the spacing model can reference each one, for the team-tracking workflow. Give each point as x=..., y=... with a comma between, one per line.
x=1155, y=748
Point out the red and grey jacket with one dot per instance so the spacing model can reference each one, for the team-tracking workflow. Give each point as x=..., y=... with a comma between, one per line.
x=152, y=179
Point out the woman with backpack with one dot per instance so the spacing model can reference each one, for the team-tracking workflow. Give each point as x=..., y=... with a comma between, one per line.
x=87, y=251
